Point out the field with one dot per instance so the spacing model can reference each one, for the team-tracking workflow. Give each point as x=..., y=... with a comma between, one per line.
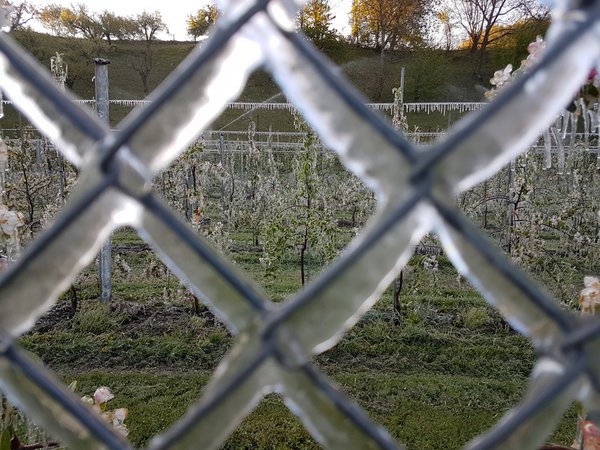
x=442, y=371
x=441, y=368
x=436, y=370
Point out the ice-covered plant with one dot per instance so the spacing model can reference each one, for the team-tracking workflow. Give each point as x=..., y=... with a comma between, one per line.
x=504, y=77
x=303, y=221
x=10, y=222
x=114, y=417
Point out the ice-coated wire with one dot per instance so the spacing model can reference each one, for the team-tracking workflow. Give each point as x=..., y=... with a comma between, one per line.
x=21, y=63
x=169, y=439
x=494, y=439
x=62, y=222
x=354, y=414
x=208, y=254
x=308, y=295
x=220, y=38
x=75, y=408
x=353, y=100
x=274, y=344
x=466, y=229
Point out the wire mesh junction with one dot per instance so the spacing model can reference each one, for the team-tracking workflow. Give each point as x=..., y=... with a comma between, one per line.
x=275, y=344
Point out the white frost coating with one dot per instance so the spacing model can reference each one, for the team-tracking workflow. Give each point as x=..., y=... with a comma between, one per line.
x=536, y=82
x=441, y=107
x=363, y=150
x=216, y=425
x=128, y=215
x=547, y=150
x=34, y=102
x=514, y=304
x=15, y=89
x=560, y=149
x=28, y=397
x=356, y=288
x=280, y=16
x=5, y=17
x=322, y=418
x=530, y=432
x=223, y=300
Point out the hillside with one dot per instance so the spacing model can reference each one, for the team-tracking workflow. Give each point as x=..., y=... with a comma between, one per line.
x=431, y=75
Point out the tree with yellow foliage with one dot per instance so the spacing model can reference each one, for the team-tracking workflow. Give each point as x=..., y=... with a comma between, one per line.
x=389, y=24
x=315, y=21
x=199, y=23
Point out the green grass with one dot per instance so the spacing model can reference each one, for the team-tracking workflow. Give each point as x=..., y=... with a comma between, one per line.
x=445, y=374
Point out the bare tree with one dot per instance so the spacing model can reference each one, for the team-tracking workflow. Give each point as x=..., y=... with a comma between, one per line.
x=149, y=24
x=22, y=13
x=485, y=21
x=142, y=63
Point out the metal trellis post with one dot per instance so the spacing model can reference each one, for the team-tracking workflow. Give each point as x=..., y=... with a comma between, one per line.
x=101, y=83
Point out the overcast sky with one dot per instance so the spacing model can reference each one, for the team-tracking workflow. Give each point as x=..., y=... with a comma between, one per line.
x=175, y=13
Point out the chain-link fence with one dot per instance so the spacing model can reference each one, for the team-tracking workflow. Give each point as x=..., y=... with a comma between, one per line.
x=275, y=343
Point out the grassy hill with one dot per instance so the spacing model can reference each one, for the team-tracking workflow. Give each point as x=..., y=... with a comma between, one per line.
x=431, y=75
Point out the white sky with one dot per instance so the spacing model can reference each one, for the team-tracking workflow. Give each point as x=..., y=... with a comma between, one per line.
x=175, y=13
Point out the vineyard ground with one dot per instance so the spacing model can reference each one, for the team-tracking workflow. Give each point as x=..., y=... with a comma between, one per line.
x=444, y=372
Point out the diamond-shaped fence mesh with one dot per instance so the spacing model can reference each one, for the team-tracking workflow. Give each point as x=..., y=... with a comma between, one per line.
x=275, y=343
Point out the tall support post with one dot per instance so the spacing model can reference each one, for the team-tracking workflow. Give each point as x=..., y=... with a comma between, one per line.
x=402, y=83
x=510, y=213
x=222, y=151
x=59, y=71
x=101, y=83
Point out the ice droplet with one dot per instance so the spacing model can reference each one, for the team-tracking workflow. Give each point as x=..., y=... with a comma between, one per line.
x=560, y=150
x=547, y=150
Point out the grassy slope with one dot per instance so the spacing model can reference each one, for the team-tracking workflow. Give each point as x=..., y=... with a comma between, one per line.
x=447, y=372
x=430, y=76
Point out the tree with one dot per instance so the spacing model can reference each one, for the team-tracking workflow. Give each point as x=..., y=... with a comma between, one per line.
x=315, y=21
x=199, y=23
x=50, y=17
x=79, y=21
x=389, y=24
x=148, y=24
x=303, y=222
x=445, y=18
x=485, y=21
x=116, y=27
x=142, y=63
x=22, y=12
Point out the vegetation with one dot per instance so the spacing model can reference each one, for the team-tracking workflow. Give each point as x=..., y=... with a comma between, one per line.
x=453, y=365
x=443, y=358
x=199, y=23
x=436, y=371
x=389, y=24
